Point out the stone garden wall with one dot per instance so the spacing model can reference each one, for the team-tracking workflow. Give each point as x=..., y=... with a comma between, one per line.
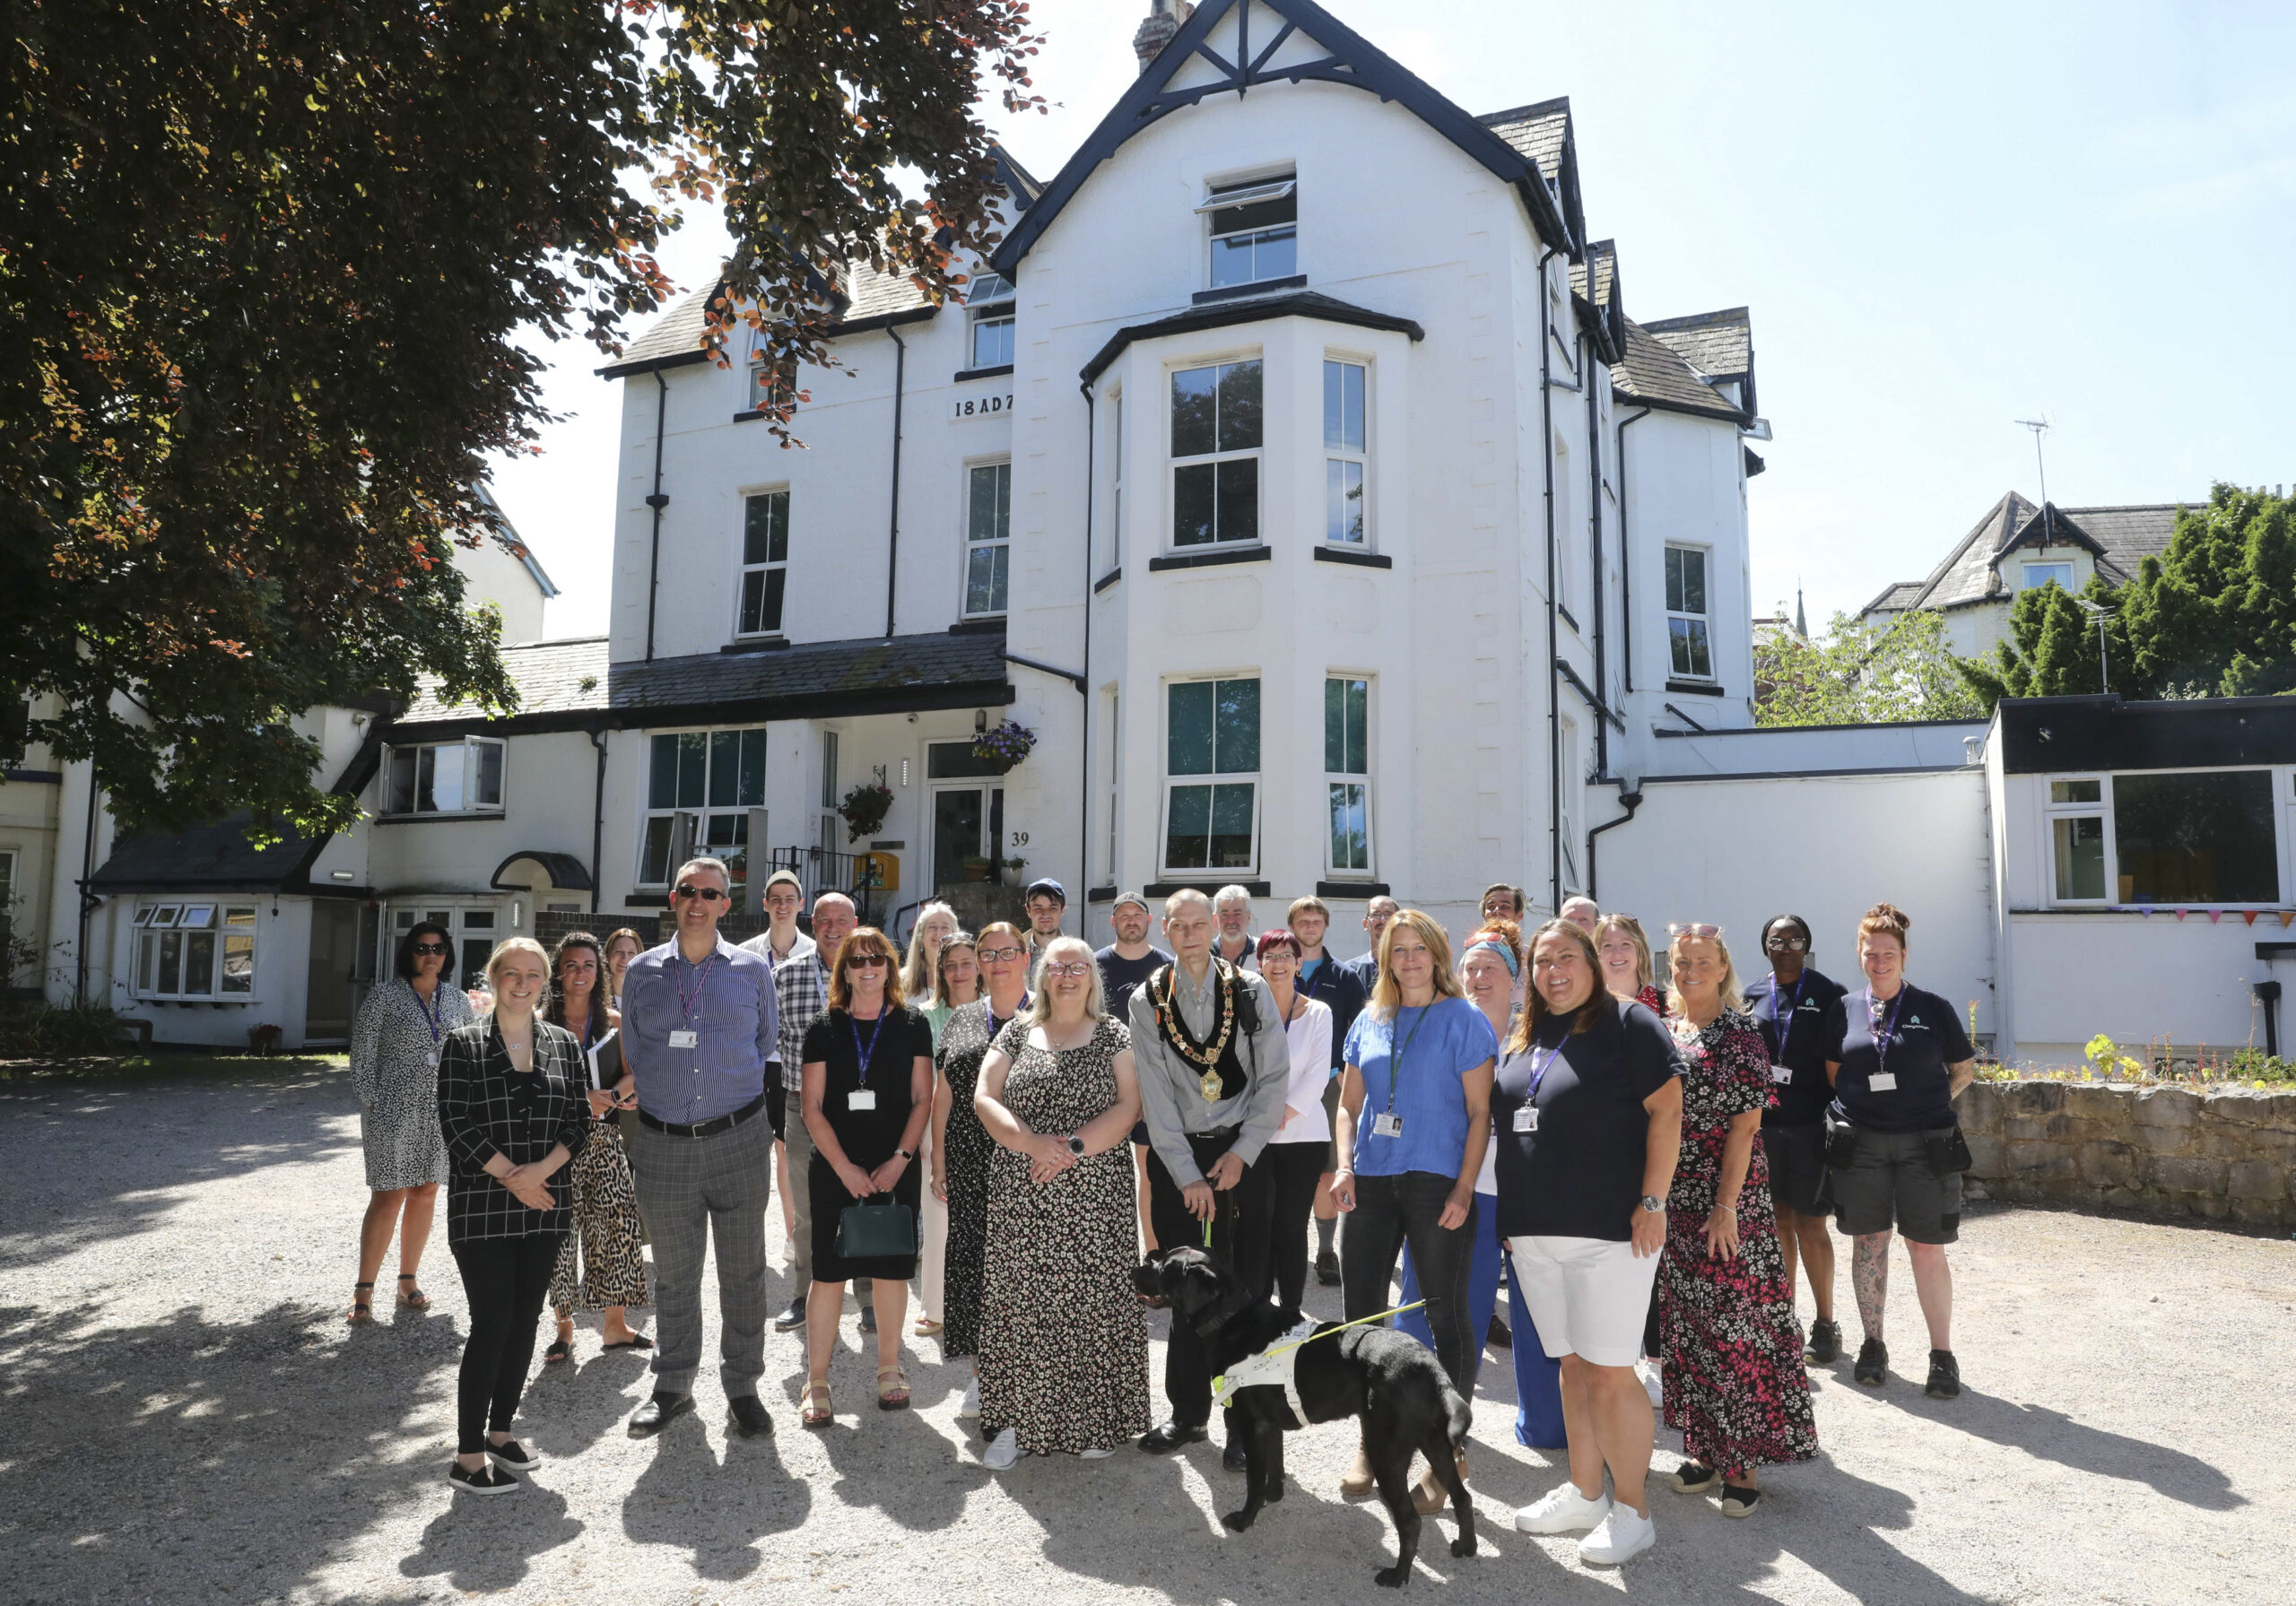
x=2216, y=1154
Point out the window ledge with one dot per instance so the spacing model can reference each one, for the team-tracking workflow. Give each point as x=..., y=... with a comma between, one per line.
x=1697, y=687
x=1212, y=558
x=417, y=819
x=1352, y=890
x=763, y=643
x=1108, y=579
x=750, y=415
x=987, y=624
x=1340, y=554
x=1257, y=287
x=964, y=374
x=1207, y=885
x=647, y=900
x=1101, y=894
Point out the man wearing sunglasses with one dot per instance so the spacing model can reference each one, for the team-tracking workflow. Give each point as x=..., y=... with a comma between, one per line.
x=699, y=1024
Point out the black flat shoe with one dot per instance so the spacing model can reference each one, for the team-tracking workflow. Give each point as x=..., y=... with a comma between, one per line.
x=1825, y=1344
x=1499, y=1337
x=636, y=1340
x=1738, y=1502
x=1873, y=1362
x=1944, y=1376
x=1693, y=1477
x=1234, y=1459
x=1169, y=1436
x=792, y=1318
x=486, y=1480
x=750, y=1417
x=1327, y=1269
x=513, y=1454
x=658, y=1413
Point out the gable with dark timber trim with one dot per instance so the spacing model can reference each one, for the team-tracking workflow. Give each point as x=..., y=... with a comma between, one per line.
x=1352, y=60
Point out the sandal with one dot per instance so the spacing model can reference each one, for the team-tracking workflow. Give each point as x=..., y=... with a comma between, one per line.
x=927, y=1327
x=894, y=1396
x=412, y=1298
x=636, y=1340
x=817, y=1416
x=362, y=1309
x=558, y=1352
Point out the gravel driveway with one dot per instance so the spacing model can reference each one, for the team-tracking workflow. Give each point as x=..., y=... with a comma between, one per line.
x=187, y=1418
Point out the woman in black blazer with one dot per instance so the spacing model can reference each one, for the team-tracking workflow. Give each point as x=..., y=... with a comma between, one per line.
x=512, y=1108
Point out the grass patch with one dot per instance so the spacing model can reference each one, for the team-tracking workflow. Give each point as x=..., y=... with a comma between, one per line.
x=165, y=1066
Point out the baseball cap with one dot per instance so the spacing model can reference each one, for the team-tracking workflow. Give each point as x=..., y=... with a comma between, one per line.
x=1048, y=886
x=1123, y=899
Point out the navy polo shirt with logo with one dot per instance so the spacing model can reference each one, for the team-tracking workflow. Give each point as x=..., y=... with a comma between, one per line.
x=1925, y=1040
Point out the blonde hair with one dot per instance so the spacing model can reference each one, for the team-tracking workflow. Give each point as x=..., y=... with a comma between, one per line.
x=1633, y=929
x=510, y=945
x=1729, y=988
x=1386, y=997
x=1535, y=1008
x=941, y=968
x=1039, y=1008
x=865, y=940
x=915, y=976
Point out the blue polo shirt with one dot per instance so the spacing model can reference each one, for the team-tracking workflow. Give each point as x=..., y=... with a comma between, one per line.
x=1439, y=1044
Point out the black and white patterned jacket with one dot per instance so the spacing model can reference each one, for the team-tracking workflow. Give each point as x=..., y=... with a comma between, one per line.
x=487, y=1107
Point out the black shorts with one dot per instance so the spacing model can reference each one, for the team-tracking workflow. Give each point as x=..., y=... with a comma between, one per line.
x=1890, y=1181
x=1798, y=1178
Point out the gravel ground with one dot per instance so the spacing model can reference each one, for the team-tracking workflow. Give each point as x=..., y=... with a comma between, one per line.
x=187, y=1418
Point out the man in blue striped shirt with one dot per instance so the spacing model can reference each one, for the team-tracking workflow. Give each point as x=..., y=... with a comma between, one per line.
x=699, y=1024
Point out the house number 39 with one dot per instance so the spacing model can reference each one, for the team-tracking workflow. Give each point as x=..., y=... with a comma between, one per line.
x=1020, y=838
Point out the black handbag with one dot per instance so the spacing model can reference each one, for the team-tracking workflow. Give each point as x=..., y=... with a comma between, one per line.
x=1948, y=1151
x=886, y=1231
x=1842, y=1142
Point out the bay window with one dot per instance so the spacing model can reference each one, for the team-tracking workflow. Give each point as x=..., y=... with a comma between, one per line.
x=700, y=786
x=203, y=951
x=1345, y=459
x=1212, y=776
x=1347, y=773
x=1215, y=454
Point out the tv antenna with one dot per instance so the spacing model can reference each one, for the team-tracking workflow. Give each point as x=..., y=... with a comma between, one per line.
x=2040, y=427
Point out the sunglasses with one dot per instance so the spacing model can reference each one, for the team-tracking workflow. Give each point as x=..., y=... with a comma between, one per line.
x=707, y=894
x=1694, y=931
x=430, y=948
x=868, y=961
x=990, y=956
x=1075, y=968
x=1788, y=944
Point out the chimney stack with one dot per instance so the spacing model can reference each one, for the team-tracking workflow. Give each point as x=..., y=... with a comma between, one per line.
x=1163, y=21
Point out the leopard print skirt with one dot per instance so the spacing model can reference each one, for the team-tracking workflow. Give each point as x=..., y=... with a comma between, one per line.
x=613, y=1255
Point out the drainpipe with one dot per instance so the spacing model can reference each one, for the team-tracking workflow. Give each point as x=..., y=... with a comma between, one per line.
x=1625, y=560
x=1553, y=641
x=2268, y=994
x=657, y=501
x=597, y=814
x=1630, y=802
x=1594, y=532
x=892, y=535
x=1084, y=762
x=87, y=902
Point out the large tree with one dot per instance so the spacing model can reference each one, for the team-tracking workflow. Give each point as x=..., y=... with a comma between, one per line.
x=265, y=271
x=2215, y=615
x=1854, y=674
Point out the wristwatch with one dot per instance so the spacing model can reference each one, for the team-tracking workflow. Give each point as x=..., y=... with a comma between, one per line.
x=1076, y=1145
x=1653, y=1204
x=905, y=1154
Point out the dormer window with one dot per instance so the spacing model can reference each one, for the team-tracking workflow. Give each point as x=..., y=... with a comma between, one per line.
x=990, y=298
x=1255, y=231
x=2038, y=575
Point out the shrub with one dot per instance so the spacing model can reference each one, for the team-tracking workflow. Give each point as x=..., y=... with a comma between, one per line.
x=47, y=1031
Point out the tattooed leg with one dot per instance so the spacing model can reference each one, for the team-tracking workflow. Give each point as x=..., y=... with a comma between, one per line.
x=1869, y=1275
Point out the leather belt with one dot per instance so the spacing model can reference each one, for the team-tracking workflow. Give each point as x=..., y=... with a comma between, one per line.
x=704, y=1129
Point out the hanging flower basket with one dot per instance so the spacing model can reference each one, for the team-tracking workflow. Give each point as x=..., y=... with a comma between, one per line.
x=1004, y=746
x=864, y=808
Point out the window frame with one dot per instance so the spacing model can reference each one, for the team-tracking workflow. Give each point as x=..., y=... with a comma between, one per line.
x=2028, y=583
x=1176, y=463
x=148, y=933
x=1254, y=778
x=386, y=778
x=1228, y=196
x=1359, y=779
x=705, y=813
x=1703, y=618
x=2274, y=814
x=2100, y=810
x=744, y=568
x=1337, y=456
x=971, y=545
x=988, y=306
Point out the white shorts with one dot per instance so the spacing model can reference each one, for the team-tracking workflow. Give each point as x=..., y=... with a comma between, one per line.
x=1588, y=1296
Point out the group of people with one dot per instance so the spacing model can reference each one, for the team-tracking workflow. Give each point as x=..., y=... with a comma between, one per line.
x=1010, y=1119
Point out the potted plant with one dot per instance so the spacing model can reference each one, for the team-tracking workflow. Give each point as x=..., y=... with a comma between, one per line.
x=975, y=868
x=1004, y=746
x=864, y=808
x=263, y=1039
x=1013, y=867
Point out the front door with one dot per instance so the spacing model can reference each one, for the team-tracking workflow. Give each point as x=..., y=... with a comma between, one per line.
x=334, y=965
x=967, y=823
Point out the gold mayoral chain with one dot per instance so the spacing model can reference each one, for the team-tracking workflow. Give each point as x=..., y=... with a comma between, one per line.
x=1168, y=1018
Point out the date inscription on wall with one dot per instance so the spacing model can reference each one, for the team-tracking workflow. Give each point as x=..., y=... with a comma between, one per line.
x=965, y=407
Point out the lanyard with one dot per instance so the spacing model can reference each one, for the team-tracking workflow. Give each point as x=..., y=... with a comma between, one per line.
x=434, y=1013
x=702, y=980
x=1889, y=1027
x=1540, y=1067
x=990, y=1011
x=870, y=1053
x=1783, y=1020
x=1394, y=1060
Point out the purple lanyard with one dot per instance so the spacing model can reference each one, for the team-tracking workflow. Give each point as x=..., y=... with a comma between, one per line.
x=1783, y=1020
x=870, y=1053
x=989, y=1009
x=1888, y=1028
x=701, y=981
x=1540, y=1067
x=431, y=1012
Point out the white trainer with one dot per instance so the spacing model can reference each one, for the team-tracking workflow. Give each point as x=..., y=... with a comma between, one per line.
x=1562, y=1510
x=969, y=1406
x=1619, y=1535
x=1003, y=1451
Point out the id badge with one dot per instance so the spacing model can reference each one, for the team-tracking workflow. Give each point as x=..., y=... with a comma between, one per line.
x=434, y=1059
x=684, y=1039
x=1882, y=1082
x=861, y=1098
x=1387, y=1126
x=1526, y=1117
x=1781, y=1074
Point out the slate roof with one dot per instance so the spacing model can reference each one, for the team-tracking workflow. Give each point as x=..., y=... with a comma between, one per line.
x=2122, y=537
x=571, y=685
x=1249, y=310
x=1655, y=377
x=204, y=858
x=1537, y=131
x=1720, y=345
x=1602, y=267
x=1895, y=598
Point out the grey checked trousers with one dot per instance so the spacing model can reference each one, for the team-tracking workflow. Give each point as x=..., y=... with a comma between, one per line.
x=691, y=1189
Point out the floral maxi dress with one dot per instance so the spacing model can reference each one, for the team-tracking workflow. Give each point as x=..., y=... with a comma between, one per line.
x=964, y=1044
x=1064, y=1342
x=1734, y=1383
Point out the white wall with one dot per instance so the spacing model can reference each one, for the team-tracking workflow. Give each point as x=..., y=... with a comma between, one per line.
x=2138, y=980
x=1772, y=750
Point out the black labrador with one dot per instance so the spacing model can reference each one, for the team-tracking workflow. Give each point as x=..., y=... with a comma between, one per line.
x=1387, y=1380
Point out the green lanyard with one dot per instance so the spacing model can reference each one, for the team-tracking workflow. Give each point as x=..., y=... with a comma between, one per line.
x=1395, y=1063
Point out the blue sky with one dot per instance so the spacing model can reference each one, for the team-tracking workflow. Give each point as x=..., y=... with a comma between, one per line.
x=1944, y=220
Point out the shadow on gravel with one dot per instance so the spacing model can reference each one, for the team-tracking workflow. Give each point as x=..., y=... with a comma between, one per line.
x=491, y=1544
x=244, y=1458
x=2049, y=1435
x=724, y=1514
x=84, y=1164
